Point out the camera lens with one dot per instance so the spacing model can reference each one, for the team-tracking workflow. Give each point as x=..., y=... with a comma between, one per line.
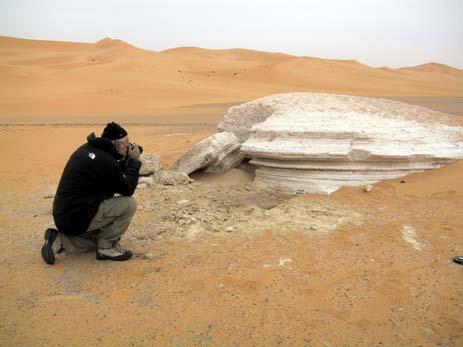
x=132, y=147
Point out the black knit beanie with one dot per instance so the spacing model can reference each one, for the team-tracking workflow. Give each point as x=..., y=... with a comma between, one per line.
x=113, y=131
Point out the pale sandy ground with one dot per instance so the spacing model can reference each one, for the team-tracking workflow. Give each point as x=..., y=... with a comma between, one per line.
x=239, y=266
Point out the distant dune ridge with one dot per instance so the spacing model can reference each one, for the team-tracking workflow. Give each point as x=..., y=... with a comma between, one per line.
x=80, y=81
x=435, y=67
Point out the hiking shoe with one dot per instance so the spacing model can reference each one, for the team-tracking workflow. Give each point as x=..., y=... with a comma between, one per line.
x=114, y=253
x=47, y=251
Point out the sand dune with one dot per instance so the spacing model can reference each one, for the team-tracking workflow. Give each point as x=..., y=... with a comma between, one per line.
x=436, y=67
x=47, y=81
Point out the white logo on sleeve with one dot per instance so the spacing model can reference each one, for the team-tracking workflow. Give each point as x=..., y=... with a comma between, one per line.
x=92, y=155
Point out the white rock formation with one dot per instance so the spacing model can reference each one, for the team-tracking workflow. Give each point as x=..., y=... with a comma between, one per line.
x=311, y=142
x=218, y=152
x=227, y=158
x=149, y=164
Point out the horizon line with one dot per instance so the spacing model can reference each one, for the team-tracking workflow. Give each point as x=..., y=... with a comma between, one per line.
x=233, y=48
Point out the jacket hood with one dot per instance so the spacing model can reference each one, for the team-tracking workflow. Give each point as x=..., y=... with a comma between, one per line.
x=104, y=144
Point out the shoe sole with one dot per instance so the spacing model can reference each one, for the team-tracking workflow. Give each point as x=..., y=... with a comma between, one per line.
x=47, y=251
x=121, y=257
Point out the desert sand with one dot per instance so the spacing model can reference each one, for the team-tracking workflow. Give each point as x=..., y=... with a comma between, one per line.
x=45, y=81
x=239, y=266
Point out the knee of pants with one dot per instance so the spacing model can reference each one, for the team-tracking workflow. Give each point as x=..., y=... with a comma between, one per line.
x=131, y=205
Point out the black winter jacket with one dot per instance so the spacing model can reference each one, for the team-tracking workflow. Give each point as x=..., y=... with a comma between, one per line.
x=93, y=173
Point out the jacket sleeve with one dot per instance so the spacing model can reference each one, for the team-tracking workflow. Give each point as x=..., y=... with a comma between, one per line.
x=124, y=178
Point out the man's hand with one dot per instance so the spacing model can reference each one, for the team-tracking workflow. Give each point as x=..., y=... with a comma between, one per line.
x=134, y=152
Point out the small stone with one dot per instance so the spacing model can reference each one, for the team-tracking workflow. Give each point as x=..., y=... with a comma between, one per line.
x=149, y=256
x=368, y=188
x=150, y=163
x=171, y=178
x=184, y=202
x=284, y=261
x=145, y=182
x=229, y=229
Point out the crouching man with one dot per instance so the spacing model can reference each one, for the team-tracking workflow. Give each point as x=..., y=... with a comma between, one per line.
x=87, y=214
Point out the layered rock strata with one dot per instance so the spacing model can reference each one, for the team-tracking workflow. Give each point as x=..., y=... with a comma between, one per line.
x=216, y=153
x=311, y=142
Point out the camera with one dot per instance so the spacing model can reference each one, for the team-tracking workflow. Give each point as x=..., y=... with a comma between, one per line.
x=132, y=146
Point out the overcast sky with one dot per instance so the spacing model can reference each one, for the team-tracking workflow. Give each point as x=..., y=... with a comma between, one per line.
x=392, y=33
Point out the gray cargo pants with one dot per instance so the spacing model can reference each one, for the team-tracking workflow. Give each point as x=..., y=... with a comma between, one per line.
x=109, y=224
